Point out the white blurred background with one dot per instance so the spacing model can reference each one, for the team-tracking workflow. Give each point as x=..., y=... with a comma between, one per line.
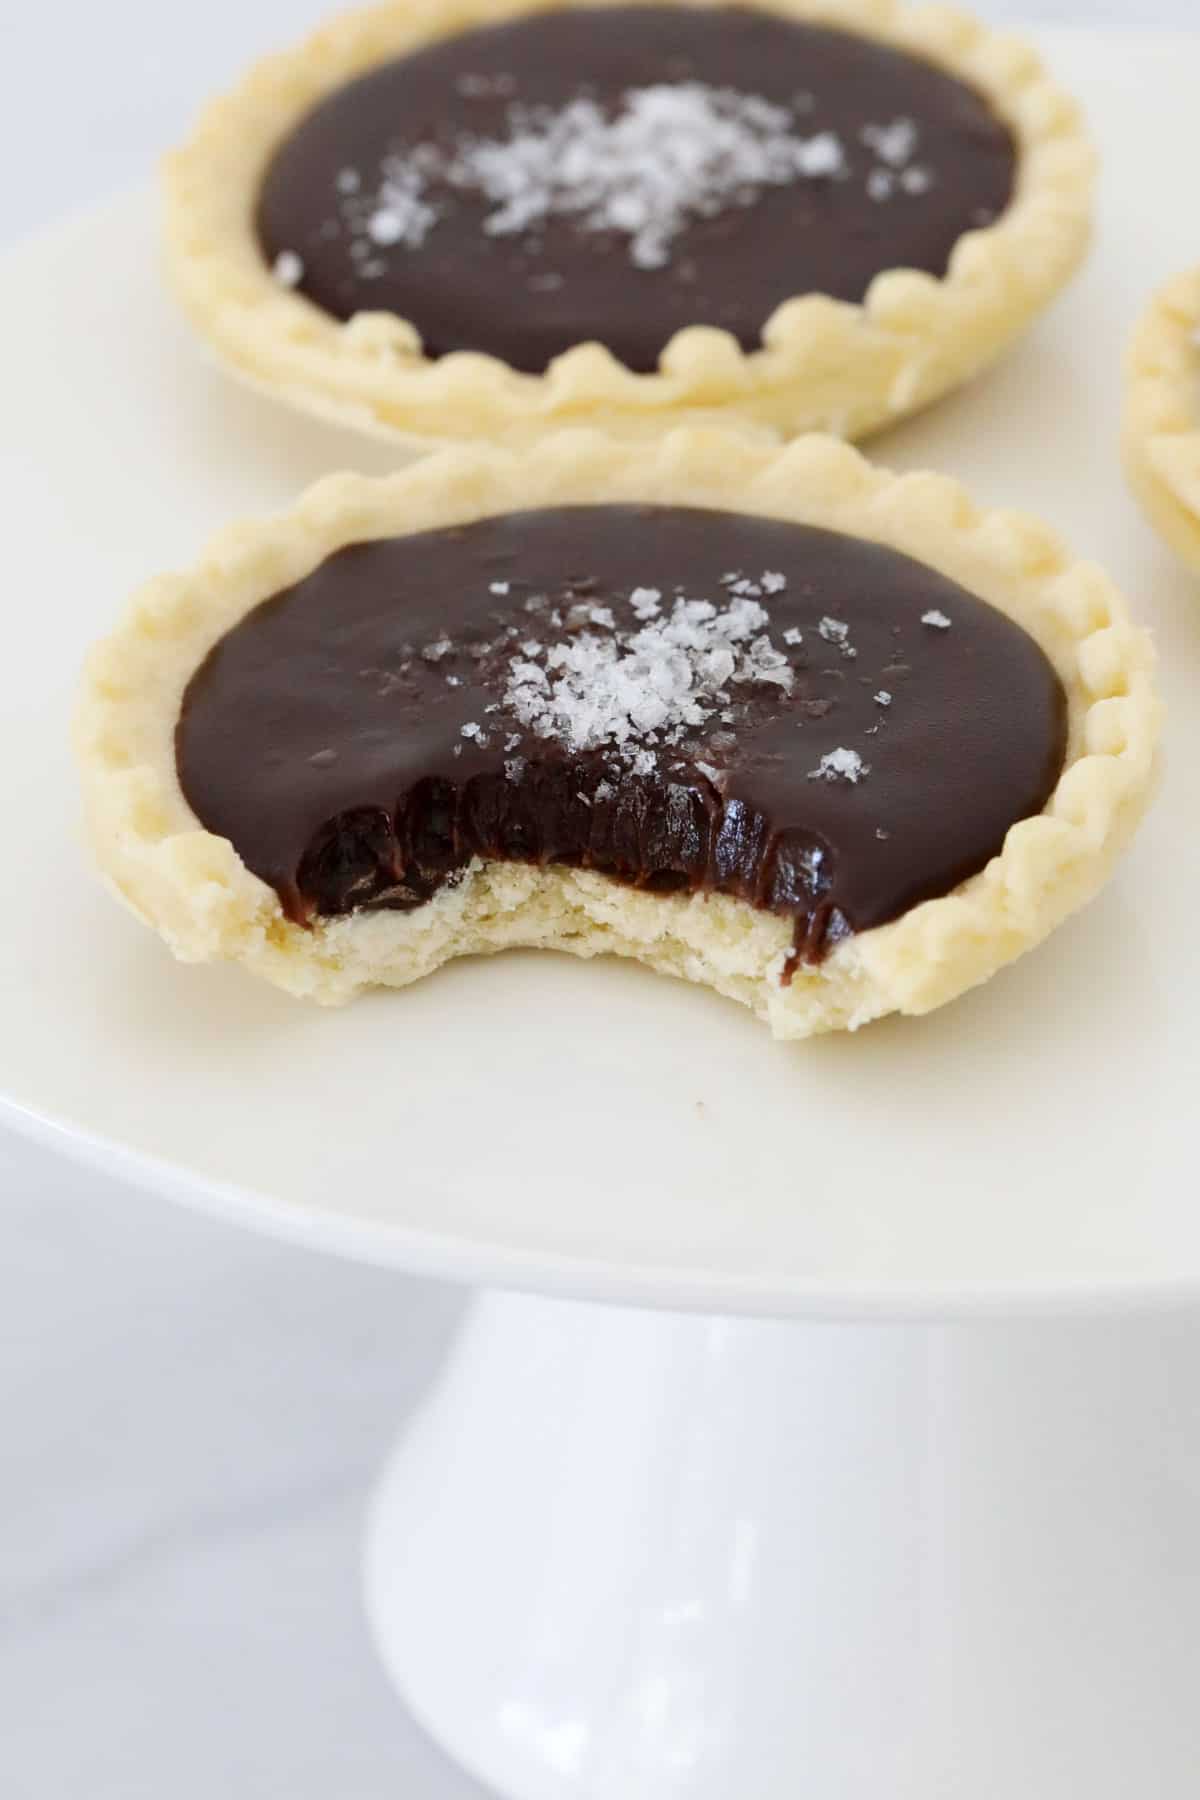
x=190, y=1418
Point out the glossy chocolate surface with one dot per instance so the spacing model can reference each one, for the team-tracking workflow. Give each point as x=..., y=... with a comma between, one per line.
x=361, y=736
x=894, y=161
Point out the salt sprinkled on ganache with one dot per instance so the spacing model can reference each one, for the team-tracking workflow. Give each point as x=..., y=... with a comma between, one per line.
x=508, y=219
x=894, y=143
x=936, y=618
x=399, y=215
x=364, y=736
x=288, y=269
x=769, y=582
x=672, y=152
x=608, y=688
x=840, y=765
x=836, y=631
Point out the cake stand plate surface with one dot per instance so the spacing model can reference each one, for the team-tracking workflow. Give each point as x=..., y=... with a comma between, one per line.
x=592, y=1129
x=631, y=1554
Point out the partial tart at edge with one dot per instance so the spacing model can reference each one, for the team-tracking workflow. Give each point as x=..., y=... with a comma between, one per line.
x=1161, y=432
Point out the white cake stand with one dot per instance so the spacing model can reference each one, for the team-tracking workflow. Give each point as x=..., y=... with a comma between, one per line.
x=701, y=1542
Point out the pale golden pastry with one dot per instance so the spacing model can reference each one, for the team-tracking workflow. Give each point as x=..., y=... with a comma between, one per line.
x=679, y=710
x=459, y=219
x=1162, y=415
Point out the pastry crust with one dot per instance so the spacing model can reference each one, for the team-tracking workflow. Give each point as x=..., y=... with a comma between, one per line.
x=824, y=365
x=1162, y=414
x=193, y=888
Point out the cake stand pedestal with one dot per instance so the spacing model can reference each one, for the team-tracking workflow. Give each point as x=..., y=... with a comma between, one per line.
x=640, y=1556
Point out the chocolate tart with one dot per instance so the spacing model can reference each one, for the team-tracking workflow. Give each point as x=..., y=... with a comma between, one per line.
x=446, y=221
x=1162, y=415
x=828, y=740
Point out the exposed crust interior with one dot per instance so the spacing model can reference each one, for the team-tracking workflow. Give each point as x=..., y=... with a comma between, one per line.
x=825, y=364
x=194, y=890
x=1162, y=414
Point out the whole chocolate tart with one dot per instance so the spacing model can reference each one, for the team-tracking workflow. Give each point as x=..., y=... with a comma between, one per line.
x=442, y=223
x=825, y=739
x=1162, y=414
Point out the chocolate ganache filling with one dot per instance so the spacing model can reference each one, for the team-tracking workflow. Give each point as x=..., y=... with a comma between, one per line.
x=685, y=700
x=614, y=175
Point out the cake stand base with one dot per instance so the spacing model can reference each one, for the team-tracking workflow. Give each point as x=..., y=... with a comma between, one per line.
x=637, y=1556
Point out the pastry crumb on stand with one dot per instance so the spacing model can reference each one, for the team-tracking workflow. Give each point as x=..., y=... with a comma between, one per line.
x=452, y=222
x=827, y=740
x=1162, y=415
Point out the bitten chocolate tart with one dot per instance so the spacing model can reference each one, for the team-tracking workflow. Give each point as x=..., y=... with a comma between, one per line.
x=1162, y=414
x=825, y=739
x=443, y=221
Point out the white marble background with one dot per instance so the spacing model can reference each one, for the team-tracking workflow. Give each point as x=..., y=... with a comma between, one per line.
x=190, y=1418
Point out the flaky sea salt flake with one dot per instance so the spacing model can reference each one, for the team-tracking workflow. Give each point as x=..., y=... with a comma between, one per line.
x=671, y=153
x=821, y=155
x=893, y=143
x=630, y=690
x=840, y=765
x=288, y=269
x=646, y=602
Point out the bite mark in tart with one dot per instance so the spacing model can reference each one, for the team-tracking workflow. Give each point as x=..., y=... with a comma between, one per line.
x=824, y=739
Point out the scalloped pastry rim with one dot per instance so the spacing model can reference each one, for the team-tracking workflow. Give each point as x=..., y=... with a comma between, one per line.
x=824, y=364
x=1161, y=426
x=193, y=888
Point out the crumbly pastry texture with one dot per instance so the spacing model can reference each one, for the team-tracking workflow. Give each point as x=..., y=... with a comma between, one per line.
x=824, y=364
x=194, y=890
x=1162, y=414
